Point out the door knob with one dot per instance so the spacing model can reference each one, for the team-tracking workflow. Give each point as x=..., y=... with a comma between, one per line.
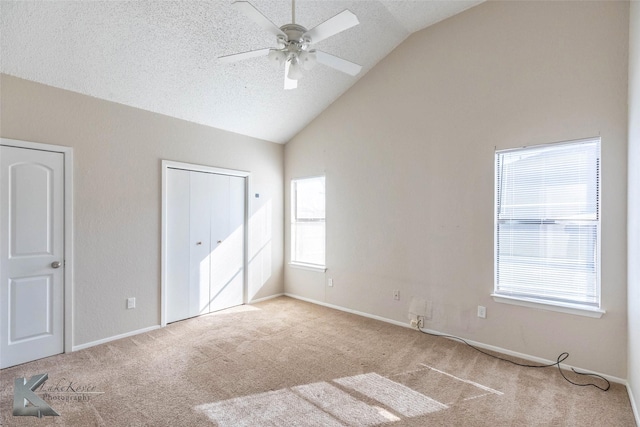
x=55, y=264
x=198, y=243
x=219, y=241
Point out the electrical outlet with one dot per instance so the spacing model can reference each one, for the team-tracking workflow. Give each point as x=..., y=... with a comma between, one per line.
x=482, y=312
x=396, y=294
x=131, y=303
x=417, y=322
x=330, y=282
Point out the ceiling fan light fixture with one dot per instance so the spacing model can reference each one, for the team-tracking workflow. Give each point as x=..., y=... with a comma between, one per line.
x=277, y=57
x=295, y=69
x=288, y=83
x=307, y=59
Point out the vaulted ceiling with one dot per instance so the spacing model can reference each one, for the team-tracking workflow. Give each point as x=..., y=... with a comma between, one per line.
x=162, y=56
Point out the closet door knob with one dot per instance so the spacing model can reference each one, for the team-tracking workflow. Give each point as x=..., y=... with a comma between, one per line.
x=198, y=243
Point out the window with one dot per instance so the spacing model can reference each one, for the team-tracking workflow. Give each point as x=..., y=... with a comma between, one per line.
x=308, y=221
x=547, y=228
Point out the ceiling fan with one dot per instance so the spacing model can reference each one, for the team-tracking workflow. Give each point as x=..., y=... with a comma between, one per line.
x=294, y=42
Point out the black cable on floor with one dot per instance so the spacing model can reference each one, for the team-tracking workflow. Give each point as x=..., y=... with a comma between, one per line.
x=561, y=358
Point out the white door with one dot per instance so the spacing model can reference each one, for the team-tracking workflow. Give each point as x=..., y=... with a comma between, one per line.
x=227, y=238
x=200, y=242
x=205, y=242
x=178, y=236
x=31, y=254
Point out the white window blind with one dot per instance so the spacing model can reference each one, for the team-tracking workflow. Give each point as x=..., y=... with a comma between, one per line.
x=548, y=223
x=308, y=221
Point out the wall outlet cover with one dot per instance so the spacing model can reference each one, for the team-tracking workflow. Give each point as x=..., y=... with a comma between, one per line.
x=482, y=312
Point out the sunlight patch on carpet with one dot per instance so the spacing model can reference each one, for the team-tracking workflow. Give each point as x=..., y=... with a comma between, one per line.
x=280, y=407
x=473, y=383
x=364, y=400
x=396, y=396
x=443, y=386
x=237, y=309
x=343, y=406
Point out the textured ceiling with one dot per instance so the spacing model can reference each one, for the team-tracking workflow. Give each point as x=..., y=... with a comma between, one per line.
x=161, y=56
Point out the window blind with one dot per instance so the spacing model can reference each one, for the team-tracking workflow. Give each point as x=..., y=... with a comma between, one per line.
x=548, y=222
x=308, y=221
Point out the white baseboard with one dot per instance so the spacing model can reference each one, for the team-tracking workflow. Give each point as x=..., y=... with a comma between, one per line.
x=636, y=414
x=113, y=338
x=473, y=343
x=536, y=359
x=348, y=310
x=253, y=301
x=150, y=328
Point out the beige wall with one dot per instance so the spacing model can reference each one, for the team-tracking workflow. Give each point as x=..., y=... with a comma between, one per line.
x=117, y=189
x=408, y=154
x=634, y=205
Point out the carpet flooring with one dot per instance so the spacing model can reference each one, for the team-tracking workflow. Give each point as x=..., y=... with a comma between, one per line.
x=285, y=362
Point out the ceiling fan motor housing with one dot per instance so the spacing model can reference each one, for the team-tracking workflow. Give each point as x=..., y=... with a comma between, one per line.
x=296, y=36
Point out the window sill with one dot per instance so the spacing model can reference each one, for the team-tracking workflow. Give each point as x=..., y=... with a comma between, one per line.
x=562, y=308
x=310, y=267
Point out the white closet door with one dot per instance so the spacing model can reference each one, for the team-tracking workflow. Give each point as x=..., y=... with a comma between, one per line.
x=227, y=236
x=205, y=243
x=237, y=197
x=178, y=244
x=200, y=244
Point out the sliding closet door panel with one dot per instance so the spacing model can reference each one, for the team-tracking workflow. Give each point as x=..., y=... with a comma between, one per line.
x=227, y=278
x=177, y=242
x=219, y=209
x=219, y=237
x=236, y=235
x=236, y=201
x=200, y=243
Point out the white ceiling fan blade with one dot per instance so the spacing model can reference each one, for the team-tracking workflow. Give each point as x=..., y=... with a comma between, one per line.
x=289, y=83
x=244, y=55
x=257, y=16
x=337, y=63
x=342, y=21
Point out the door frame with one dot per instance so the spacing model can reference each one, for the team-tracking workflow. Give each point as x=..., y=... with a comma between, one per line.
x=170, y=164
x=68, y=284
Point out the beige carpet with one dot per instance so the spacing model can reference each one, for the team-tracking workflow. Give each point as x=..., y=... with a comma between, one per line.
x=285, y=362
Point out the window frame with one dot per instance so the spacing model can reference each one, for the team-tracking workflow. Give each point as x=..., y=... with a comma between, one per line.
x=295, y=221
x=588, y=310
